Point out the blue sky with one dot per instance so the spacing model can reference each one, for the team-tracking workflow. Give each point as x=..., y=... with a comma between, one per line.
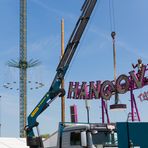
x=92, y=61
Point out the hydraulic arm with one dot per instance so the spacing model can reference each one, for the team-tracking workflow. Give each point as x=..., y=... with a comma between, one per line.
x=55, y=90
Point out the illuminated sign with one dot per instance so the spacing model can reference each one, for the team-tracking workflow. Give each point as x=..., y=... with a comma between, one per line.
x=96, y=90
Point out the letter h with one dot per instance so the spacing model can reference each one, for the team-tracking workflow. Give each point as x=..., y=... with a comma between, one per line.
x=73, y=90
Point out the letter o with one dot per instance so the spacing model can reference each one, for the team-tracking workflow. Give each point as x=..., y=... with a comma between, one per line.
x=122, y=87
x=107, y=88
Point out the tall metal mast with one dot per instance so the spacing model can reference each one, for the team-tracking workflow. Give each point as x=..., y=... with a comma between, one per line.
x=23, y=65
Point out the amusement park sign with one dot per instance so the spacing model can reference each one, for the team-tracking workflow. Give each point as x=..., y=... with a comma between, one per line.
x=96, y=90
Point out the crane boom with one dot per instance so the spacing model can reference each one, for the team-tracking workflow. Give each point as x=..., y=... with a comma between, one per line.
x=54, y=89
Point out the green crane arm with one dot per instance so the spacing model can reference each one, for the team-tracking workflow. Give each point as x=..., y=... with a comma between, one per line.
x=55, y=90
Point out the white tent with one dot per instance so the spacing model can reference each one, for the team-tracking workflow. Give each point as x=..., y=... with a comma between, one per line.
x=13, y=143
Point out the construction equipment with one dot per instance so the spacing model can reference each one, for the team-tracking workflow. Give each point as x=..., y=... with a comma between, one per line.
x=80, y=135
x=55, y=90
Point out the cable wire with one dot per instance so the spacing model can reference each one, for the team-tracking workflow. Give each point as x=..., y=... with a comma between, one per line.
x=112, y=15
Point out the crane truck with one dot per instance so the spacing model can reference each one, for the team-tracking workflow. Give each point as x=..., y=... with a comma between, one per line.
x=55, y=89
x=83, y=135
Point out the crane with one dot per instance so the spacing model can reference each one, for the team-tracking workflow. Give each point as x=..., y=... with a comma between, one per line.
x=55, y=90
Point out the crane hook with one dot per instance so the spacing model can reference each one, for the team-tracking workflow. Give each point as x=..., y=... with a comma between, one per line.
x=113, y=34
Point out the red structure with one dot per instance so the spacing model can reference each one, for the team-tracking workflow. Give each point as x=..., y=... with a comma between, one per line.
x=104, y=91
x=134, y=114
x=104, y=111
x=73, y=113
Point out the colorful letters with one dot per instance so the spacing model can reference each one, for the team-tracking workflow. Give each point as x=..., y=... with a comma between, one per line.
x=96, y=90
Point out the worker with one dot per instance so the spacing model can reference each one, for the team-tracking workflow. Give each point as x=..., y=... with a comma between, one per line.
x=139, y=65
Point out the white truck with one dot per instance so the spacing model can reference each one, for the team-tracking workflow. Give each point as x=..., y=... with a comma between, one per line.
x=80, y=135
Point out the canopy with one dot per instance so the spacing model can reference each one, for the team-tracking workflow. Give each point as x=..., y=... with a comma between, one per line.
x=13, y=143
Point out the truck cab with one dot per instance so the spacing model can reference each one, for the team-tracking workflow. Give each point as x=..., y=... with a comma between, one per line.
x=81, y=135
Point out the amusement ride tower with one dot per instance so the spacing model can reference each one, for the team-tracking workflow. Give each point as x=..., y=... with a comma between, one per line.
x=23, y=64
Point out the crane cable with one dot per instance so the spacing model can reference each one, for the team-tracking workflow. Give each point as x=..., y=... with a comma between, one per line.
x=112, y=15
x=113, y=34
